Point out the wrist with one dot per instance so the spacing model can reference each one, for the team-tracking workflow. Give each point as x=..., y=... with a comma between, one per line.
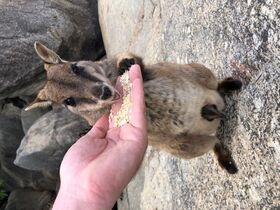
x=74, y=199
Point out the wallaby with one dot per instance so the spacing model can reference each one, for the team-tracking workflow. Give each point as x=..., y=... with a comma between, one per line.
x=183, y=102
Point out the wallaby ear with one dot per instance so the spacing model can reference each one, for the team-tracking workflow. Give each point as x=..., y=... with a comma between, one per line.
x=38, y=103
x=47, y=55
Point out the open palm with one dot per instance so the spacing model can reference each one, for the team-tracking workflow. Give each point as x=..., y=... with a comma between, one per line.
x=98, y=166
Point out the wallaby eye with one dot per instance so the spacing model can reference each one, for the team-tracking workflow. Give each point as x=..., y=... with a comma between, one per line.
x=76, y=69
x=70, y=101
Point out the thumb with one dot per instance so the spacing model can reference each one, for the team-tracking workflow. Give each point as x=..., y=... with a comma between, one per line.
x=99, y=130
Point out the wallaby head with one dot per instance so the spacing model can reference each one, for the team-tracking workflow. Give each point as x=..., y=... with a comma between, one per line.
x=67, y=80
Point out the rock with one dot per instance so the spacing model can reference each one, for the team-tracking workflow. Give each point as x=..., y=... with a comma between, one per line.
x=11, y=134
x=29, y=117
x=26, y=199
x=46, y=142
x=233, y=38
x=69, y=27
x=8, y=109
x=3, y=205
x=14, y=177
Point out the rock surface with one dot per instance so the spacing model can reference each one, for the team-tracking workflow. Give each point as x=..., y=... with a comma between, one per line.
x=46, y=142
x=11, y=134
x=13, y=176
x=29, y=199
x=233, y=38
x=29, y=117
x=69, y=27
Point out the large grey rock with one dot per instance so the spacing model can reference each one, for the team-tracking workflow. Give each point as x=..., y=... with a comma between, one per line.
x=69, y=27
x=46, y=142
x=26, y=199
x=238, y=38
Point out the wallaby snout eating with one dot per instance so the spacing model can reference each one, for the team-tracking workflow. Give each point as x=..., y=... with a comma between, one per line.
x=183, y=102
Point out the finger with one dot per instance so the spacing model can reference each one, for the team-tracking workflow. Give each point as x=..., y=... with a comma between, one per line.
x=99, y=130
x=137, y=117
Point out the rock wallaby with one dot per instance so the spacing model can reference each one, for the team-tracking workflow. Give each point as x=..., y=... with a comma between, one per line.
x=184, y=103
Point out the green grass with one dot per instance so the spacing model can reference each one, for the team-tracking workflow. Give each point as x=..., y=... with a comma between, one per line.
x=3, y=193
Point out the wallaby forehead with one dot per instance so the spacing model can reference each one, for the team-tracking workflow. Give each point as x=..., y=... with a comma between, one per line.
x=57, y=91
x=104, y=68
x=63, y=84
x=91, y=66
x=59, y=71
x=63, y=73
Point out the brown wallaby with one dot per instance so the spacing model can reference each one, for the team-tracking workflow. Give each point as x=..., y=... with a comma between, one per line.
x=183, y=102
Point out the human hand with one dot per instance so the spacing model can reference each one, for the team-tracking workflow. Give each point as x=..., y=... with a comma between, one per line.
x=97, y=168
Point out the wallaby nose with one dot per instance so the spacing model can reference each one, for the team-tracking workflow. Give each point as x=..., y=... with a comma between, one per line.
x=106, y=93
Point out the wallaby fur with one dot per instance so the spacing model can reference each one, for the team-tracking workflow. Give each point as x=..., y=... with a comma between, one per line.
x=183, y=102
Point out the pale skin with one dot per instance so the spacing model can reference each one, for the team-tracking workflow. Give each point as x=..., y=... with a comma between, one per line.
x=97, y=168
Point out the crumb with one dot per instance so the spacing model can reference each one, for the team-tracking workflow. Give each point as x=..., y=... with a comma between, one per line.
x=122, y=116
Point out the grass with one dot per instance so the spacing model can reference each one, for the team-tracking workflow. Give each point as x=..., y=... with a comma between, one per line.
x=3, y=193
